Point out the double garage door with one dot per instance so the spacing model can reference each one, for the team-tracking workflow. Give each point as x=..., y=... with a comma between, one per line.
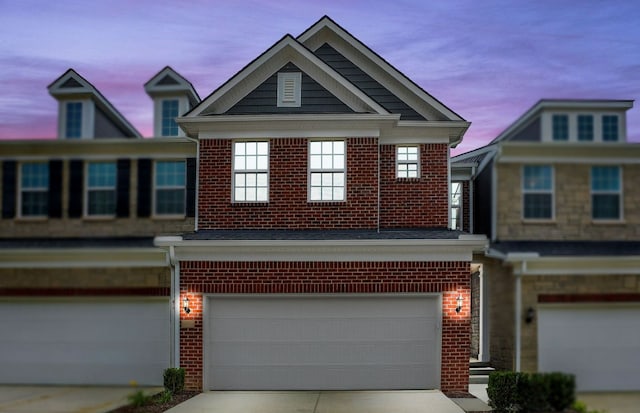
x=95, y=342
x=322, y=342
x=597, y=343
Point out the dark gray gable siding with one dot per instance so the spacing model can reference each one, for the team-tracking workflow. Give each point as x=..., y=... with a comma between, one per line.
x=482, y=202
x=366, y=83
x=71, y=83
x=167, y=80
x=531, y=133
x=105, y=128
x=263, y=99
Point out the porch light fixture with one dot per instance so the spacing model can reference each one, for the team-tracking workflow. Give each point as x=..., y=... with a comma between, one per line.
x=531, y=314
x=459, y=301
x=185, y=305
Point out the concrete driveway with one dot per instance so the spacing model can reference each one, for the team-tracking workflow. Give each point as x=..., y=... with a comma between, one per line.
x=612, y=402
x=71, y=399
x=427, y=401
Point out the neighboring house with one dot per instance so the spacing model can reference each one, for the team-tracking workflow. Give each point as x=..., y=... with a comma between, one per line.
x=84, y=294
x=557, y=194
x=316, y=254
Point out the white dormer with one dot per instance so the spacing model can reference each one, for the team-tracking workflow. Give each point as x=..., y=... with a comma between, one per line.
x=173, y=96
x=83, y=113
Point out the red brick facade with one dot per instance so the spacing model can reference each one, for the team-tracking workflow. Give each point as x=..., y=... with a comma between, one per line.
x=448, y=278
x=404, y=203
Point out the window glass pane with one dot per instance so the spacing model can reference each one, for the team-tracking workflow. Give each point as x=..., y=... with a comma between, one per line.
x=326, y=156
x=585, y=127
x=35, y=203
x=406, y=161
x=338, y=147
x=605, y=178
x=102, y=174
x=73, y=122
x=263, y=148
x=537, y=177
x=315, y=148
x=169, y=115
x=537, y=206
x=239, y=194
x=560, y=125
x=170, y=201
x=35, y=175
x=606, y=206
x=609, y=128
x=102, y=202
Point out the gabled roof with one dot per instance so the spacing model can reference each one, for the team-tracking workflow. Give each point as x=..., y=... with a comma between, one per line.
x=560, y=104
x=169, y=81
x=72, y=85
x=284, y=51
x=328, y=31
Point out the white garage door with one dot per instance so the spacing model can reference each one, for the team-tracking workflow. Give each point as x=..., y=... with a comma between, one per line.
x=597, y=343
x=84, y=342
x=323, y=343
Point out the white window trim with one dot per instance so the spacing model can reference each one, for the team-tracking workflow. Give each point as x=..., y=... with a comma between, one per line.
x=293, y=79
x=85, y=206
x=233, y=171
x=619, y=192
x=88, y=119
x=547, y=126
x=183, y=107
x=154, y=202
x=551, y=191
x=311, y=170
x=416, y=162
x=21, y=190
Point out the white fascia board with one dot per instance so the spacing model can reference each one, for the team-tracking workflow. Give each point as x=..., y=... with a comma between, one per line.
x=325, y=250
x=425, y=132
x=289, y=50
x=578, y=265
x=328, y=24
x=83, y=258
x=274, y=126
x=568, y=160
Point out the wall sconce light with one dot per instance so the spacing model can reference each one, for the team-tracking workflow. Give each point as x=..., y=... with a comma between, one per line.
x=459, y=302
x=531, y=313
x=185, y=305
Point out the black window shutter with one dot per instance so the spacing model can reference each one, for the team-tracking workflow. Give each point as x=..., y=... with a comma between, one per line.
x=122, y=188
x=9, y=189
x=144, y=187
x=76, y=185
x=55, y=188
x=191, y=187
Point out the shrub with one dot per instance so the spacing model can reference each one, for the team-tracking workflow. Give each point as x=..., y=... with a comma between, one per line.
x=530, y=392
x=164, y=397
x=139, y=399
x=174, y=380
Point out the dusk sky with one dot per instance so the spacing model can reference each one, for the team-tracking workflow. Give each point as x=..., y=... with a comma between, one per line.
x=487, y=60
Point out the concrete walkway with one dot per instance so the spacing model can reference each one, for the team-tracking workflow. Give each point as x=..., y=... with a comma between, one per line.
x=427, y=401
x=58, y=399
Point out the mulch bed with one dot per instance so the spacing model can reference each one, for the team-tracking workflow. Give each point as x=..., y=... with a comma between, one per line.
x=156, y=407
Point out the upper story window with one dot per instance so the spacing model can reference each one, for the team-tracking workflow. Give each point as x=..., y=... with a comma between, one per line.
x=170, y=188
x=537, y=192
x=609, y=128
x=606, y=192
x=289, y=89
x=407, y=161
x=560, y=127
x=73, y=120
x=169, y=115
x=101, y=189
x=34, y=189
x=251, y=171
x=327, y=171
x=456, y=205
x=585, y=127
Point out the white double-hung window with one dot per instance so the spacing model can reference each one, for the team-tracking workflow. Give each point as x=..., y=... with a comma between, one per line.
x=407, y=161
x=170, y=188
x=251, y=171
x=34, y=189
x=327, y=170
x=101, y=189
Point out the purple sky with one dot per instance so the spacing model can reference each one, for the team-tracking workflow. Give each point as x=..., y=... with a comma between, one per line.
x=487, y=60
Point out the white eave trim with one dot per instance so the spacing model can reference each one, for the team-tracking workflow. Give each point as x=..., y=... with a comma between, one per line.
x=82, y=257
x=422, y=250
x=532, y=264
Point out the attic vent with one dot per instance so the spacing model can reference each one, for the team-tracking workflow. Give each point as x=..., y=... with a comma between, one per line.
x=70, y=83
x=289, y=89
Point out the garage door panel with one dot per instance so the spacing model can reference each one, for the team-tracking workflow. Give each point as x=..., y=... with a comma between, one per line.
x=84, y=342
x=597, y=343
x=272, y=343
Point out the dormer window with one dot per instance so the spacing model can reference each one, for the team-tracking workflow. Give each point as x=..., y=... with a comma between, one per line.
x=585, y=128
x=289, y=89
x=560, y=125
x=609, y=128
x=170, y=109
x=73, y=120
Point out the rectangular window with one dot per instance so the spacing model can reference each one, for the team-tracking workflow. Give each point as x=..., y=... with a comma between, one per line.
x=407, y=162
x=73, y=121
x=585, y=127
x=169, y=115
x=34, y=189
x=101, y=188
x=456, y=205
x=537, y=192
x=251, y=171
x=560, y=127
x=170, y=183
x=606, y=192
x=609, y=128
x=327, y=170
